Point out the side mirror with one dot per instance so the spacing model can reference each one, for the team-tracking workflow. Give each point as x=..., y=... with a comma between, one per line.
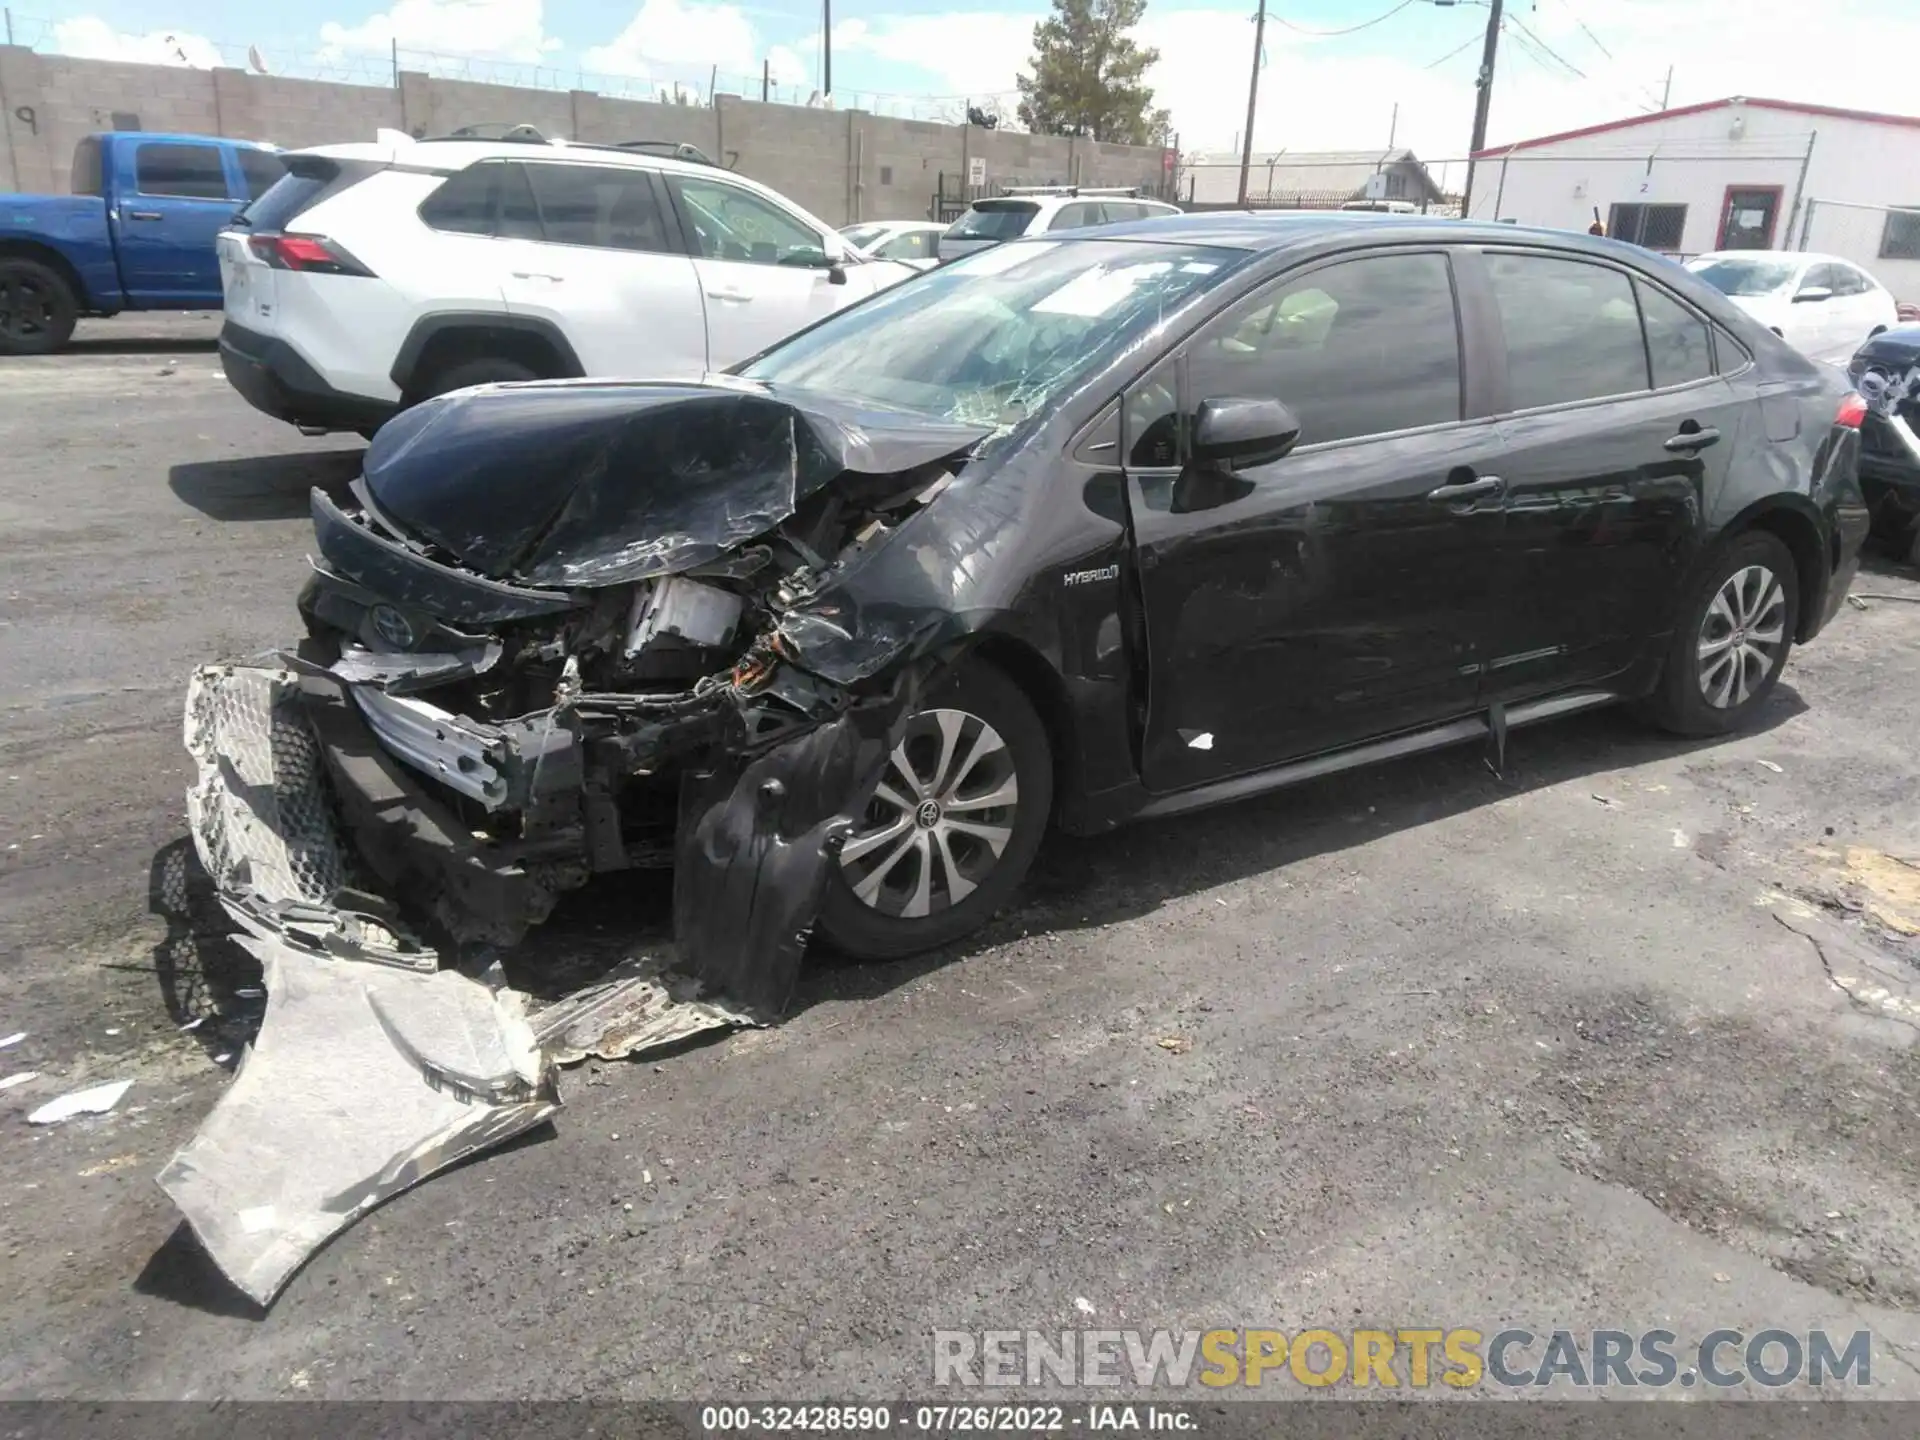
x=836, y=274
x=1811, y=294
x=1231, y=432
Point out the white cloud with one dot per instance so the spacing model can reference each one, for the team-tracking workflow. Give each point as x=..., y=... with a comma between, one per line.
x=975, y=53
x=91, y=38
x=512, y=30
x=688, y=36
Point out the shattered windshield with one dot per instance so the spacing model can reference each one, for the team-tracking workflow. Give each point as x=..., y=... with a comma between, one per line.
x=989, y=338
x=1746, y=277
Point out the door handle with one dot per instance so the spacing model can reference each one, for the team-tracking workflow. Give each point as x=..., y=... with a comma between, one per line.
x=1467, y=490
x=1692, y=439
x=741, y=296
x=536, y=275
x=144, y=215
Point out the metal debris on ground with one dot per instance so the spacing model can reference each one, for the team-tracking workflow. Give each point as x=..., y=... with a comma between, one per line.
x=1768, y=764
x=431, y=1068
x=1174, y=1044
x=95, y=1101
x=639, y=1006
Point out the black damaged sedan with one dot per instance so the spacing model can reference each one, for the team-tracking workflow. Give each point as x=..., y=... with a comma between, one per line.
x=1078, y=530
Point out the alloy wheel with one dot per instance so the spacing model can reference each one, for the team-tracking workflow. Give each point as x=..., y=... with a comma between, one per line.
x=1741, y=636
x=938, y=821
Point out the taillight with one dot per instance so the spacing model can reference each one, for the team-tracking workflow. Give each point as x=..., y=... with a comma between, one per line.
x=1852, y=411
x=311, y=253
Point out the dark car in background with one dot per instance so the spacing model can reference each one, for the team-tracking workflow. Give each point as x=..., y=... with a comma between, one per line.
x=1076, y=531
x=1886, y=372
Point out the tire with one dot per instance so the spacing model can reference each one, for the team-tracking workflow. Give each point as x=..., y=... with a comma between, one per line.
x=37, y=308
x=901, y=845
x=475, y=372
x=1751, y=591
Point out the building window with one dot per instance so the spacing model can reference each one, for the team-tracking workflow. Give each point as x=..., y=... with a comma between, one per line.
x=1656, y=227
x=886, y=175
x=1901, y=239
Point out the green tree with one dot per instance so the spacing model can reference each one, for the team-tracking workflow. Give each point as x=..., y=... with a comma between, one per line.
x=1087, y=75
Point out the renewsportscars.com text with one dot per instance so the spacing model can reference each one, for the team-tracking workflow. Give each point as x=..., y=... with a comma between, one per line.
x=1412, y=1358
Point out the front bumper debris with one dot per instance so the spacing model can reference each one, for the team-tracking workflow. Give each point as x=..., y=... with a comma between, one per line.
x=364, y=1080
x=367, y=1078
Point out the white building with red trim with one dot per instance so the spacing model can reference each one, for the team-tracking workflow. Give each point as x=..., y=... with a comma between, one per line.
x=1740, y=173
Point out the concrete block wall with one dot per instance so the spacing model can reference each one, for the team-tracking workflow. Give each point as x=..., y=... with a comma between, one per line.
x=842, y=165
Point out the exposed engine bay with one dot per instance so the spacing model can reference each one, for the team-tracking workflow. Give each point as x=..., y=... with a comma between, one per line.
x=559, y=630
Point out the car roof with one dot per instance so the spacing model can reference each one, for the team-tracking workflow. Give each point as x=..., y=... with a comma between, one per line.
x=458, y=154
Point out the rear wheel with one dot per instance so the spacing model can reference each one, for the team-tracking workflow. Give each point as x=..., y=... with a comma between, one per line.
x=952, y=827
x=37, y=308
x=1731, y=639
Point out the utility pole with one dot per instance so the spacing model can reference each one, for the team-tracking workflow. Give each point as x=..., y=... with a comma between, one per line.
x=1667, y=93
x=1253, y=94
x=1393, y=125
x=826, y=46
x=1482, y=101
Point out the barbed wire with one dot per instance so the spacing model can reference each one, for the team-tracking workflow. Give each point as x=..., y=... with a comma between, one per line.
x=662, y=82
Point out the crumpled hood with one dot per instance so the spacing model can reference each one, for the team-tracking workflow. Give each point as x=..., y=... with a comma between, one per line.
x=593, y=483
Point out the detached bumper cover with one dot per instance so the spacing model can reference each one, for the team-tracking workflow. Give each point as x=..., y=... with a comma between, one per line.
x=363, y=1081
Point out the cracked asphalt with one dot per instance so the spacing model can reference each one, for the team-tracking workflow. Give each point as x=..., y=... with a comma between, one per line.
x=1623, y=1038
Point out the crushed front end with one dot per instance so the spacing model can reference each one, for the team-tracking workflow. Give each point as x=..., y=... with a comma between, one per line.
x=552, y=635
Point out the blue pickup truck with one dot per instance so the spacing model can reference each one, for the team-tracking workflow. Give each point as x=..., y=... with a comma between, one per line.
x=137, y=233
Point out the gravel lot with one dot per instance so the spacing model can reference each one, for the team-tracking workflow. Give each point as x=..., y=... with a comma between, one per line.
x=1623, y=1038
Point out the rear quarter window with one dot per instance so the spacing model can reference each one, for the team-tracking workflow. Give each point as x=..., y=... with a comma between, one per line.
x=995, y=220
x=308, y=180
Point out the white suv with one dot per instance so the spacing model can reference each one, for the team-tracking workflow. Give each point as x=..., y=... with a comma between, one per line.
x=1042, y=209
x=376, y=275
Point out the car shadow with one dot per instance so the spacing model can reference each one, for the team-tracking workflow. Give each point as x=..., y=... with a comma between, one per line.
x=263, y=487
x=143, y=345
x=1086, y=883
x=210, y=986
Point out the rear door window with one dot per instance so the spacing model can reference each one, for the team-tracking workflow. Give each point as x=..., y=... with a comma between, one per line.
x=1572, y=330
x=1363, y=347
x=607, y=207
x=1078, y=216
x=191, y=172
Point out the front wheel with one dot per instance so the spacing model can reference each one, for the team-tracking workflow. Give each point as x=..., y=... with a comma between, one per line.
x=952, y=827
x=1731, y=639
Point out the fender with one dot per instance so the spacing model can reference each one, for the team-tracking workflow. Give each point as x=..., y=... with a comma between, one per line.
x=428, y=326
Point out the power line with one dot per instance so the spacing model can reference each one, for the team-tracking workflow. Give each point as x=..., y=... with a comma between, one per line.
x=1586, y=32
x=1351, y=29
x=1514, y=20
x=1471, y=40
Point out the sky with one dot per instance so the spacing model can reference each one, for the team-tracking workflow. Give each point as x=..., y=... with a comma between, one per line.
x=1562, y=63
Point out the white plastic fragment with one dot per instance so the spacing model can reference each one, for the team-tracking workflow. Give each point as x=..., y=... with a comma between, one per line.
x=20, y=1079
x=96, y=1101
x=14, y=1039
x=364, y=1080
